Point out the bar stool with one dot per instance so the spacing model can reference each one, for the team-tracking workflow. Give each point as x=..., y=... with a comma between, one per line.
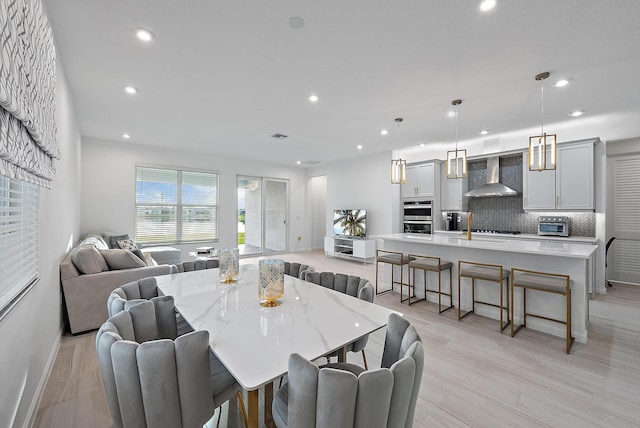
x=484, y=272
x=429, y=264
x=544, y=282
x=394, y=258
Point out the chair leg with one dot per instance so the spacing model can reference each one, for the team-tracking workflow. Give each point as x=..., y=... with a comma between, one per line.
x=364, y=358
x=243, y=409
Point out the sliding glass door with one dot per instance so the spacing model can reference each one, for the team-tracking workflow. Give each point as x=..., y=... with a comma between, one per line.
x=262, y=215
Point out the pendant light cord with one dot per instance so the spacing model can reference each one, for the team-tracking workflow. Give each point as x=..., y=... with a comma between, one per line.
x=542, y=107
x=456, y=130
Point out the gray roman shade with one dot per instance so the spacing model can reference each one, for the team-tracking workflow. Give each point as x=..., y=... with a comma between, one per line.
x=28, y=132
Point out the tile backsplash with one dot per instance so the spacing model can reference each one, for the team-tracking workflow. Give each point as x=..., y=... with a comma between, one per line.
x=506, y=213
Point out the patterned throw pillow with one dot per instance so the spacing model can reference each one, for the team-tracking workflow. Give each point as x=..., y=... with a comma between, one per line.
x=127, y=244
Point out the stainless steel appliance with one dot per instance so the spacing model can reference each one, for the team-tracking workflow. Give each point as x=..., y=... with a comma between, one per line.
x=417, y=216
x=417, y=226
x=553, y=226
x=417, y=210
x=452, y=221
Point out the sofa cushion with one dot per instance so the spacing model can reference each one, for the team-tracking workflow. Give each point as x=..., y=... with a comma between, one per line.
x=128, y=244
x=95, y=240
x=122, y=259
x=113, y=240
x=88, y=260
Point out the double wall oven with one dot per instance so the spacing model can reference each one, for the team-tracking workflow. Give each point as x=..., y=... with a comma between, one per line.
x=417, y=216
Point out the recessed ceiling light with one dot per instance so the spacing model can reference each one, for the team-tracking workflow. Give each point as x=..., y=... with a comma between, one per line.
x=486, y=5
x=296, y=22
x=576, y=113
x=384, y=132
x=130, y=90
x=562, y=82
x=485, y=131
x=144, y=34
x=451, y=114
x=359, y=147
x=298, y=162
x=313, y=98
x=126, y=136
x=421, y=144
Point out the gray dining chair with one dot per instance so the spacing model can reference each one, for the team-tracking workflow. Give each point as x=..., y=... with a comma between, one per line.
x=147, y=289
x=158, y=382
x=401, y=341
x=328, y=397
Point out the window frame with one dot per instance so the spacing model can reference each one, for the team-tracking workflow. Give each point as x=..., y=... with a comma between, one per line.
x=27, y=258
x=179, y=206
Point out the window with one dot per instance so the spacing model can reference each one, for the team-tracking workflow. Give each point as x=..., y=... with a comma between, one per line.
x=175, y=206
x=18, y=240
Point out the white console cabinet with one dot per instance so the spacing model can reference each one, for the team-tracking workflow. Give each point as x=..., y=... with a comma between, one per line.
x=353, y=248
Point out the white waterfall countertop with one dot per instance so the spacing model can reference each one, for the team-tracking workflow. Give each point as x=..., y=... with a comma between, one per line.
x=486, y=242
x=522, y=236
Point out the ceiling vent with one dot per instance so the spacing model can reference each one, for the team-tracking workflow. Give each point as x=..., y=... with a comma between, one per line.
x=279, y=136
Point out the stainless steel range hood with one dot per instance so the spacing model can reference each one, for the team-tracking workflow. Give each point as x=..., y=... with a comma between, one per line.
x=493, y=186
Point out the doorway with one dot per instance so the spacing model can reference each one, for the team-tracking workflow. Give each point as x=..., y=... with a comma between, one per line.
x=262, y=215
x=623, y=252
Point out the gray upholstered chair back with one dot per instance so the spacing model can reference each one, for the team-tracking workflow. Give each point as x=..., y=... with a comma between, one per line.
x=190, y=266
x=146, y=289
x=403, y=341
x=297, y=269
x=326, y=397
x=150, y=382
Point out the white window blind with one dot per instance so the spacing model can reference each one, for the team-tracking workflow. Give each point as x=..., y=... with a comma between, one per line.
x=627, y=228
x=18, y=240
x=176, y=206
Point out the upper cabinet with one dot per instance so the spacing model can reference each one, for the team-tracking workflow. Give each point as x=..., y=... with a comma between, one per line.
x=421, y=181
x=567, y=188
x=451, y=192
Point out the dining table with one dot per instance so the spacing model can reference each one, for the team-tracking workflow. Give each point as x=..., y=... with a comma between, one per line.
x=254, y=342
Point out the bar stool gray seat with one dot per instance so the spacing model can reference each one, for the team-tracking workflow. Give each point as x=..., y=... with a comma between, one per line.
x=490, y=273
x=394, y=258
x=547, y=283
x=429, y=264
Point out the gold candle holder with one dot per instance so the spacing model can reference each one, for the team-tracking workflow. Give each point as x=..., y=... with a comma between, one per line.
x=228, y=265
x=271, y=281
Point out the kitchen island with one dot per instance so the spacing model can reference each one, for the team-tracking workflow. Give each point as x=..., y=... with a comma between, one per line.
x=571, y=259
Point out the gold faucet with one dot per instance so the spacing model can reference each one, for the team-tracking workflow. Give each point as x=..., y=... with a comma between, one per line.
x=469, y=220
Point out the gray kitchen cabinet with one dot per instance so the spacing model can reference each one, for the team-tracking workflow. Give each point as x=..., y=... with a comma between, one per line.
x=570, y=187
x=421, y=180
x=451, y=192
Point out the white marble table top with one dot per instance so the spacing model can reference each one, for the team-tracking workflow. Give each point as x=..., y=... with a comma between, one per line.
x=254, y=342
x=554, y=248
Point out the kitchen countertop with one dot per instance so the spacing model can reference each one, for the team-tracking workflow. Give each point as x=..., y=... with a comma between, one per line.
x=488, y=242
x=579, y=239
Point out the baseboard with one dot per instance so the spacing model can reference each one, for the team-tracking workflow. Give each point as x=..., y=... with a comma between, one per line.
x=35, y=403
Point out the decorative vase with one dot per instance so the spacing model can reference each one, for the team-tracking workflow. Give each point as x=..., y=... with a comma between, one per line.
x=270, y=281
x=228, y=265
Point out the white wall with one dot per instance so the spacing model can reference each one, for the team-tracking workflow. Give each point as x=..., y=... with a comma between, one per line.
x=362, y=183
x=30, y=333
x=108, y=189
x=318, y=195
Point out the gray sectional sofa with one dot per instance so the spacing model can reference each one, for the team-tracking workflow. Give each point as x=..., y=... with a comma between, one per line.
x=91, y=271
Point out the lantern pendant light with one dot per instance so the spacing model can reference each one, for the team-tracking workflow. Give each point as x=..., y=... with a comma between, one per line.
x=542, y=148
x=398, y=166
x=456, y=159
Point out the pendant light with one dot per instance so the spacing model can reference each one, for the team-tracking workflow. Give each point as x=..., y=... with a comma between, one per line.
x=542, y=146
x=398, y=166
x=456, y=159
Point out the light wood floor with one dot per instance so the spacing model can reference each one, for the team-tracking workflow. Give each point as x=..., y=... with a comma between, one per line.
x=473, y=375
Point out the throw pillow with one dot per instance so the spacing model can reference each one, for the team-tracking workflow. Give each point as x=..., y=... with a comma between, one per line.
x=88, y=260
x=113, y=240
x=129, y=244
x=121, y=259
x=149, y=260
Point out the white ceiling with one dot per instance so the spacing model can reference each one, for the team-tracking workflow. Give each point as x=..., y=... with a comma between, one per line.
x=222, y=76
